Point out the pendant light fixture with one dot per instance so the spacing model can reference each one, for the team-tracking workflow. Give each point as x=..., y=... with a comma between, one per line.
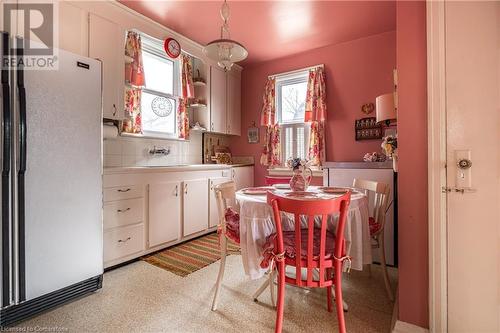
x=225, y=50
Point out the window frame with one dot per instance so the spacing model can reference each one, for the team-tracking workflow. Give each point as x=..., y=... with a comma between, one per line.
x=154, y=47
x=284, y=80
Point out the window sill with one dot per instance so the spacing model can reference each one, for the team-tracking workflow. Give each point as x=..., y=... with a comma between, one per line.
x=282, y=171
x=156, y=137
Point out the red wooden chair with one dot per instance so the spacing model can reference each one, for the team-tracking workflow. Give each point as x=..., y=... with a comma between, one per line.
x=311, y=248
x=270, y=180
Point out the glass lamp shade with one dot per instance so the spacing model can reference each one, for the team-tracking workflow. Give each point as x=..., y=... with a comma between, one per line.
x=226, y=52
x=385, y=109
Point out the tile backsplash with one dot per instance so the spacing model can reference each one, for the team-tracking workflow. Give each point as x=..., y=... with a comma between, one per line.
x=130, y=151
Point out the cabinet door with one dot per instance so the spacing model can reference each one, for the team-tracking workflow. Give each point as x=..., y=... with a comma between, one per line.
x=164, y=212
x=218, y=95
x=106, y=43
x=213, y=211
x=195, y=206
x=234, y=103
x=243, y=177
x=73, y=32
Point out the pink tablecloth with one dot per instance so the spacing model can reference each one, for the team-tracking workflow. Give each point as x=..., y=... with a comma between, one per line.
x=256, y=224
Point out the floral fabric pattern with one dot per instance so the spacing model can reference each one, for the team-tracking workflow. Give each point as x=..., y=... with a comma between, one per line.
x=183, y=119
x=271, y=155
x=134, y=71
x=133, y=121
x=316, y=153
x=316, y=114
x=268, y=115
x=316, y=96
x=187, y=92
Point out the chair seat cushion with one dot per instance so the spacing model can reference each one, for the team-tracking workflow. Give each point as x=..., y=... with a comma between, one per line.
x=232, y=225
x=374, y=226
x=289, y=245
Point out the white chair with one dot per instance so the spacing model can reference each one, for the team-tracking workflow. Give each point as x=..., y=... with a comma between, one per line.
x=225, y=195
x=380, y=192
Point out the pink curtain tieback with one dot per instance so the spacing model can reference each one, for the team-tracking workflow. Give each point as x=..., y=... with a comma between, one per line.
x=276, y=258
x=345, y=258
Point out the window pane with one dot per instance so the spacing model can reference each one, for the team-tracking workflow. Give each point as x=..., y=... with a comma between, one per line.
x=159, y=73
x=293, y=102
x=158, y=113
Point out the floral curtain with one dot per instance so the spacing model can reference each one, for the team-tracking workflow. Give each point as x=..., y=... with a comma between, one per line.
x=187, y=92
x=134, y=76
x=132, y=122
x=271, y=154
x=315, y=113
x=268, y=115
x=134, y=69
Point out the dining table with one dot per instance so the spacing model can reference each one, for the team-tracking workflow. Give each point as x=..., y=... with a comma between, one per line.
x=256, y=224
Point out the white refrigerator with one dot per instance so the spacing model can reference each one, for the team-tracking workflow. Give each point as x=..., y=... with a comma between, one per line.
x=51, y=241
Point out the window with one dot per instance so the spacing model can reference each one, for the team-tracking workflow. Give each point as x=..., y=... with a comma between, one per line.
x=290, y=107
x=159, y=96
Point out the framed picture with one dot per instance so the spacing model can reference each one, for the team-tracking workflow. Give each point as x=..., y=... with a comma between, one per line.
x=253, y=134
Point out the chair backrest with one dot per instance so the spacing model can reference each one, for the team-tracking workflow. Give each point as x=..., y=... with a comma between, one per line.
x=225, y=195
x=380, y=192
x=311, y=209
x=270, y=180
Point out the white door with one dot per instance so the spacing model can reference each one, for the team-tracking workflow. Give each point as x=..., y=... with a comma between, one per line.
x=195, y=206
x=473, y=126
x=218, y=100
x=106, y=43
x=213, y=211
x=243, y=177
x=164, y=212
x=234, y=103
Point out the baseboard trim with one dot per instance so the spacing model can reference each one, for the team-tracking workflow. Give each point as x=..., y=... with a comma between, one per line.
x=19, y=312
x=403, y=327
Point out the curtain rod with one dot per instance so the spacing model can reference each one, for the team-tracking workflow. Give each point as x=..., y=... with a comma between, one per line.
x=296, y=71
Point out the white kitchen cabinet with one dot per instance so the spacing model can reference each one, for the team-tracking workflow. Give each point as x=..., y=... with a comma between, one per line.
x=218, y=103
x=73, y=28
x=164, y=212
x=195, y=206
x=106, y=43
x=243, y=177
x=234, y=103
x=213, y=211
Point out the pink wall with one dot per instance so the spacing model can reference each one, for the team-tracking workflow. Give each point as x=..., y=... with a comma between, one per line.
x=357, y=72
x=412, y=176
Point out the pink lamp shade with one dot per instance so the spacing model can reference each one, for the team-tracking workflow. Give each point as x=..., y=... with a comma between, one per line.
x=385, y=108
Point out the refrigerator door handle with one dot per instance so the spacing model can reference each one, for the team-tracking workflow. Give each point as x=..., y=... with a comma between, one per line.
x=6, y=161
x=22, y=170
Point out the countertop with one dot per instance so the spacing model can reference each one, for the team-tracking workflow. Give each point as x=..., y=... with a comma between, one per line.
x=358, y=165
x=173, y=168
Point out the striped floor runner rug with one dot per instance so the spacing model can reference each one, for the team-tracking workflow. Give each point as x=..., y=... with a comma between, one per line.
x=188, y=257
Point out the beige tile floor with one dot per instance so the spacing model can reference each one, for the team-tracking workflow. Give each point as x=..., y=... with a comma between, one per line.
x=143, y=298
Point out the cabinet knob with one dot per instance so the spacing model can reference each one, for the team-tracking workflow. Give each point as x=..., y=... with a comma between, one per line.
x=125, y=190
x=114, y=110
x=123, y=210
x=124, y=240
x=176, y=190
x=185, y=188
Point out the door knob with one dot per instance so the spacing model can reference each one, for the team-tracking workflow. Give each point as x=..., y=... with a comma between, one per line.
x=464, y=163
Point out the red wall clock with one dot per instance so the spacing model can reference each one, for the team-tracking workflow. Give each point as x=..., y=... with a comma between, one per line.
x=172, y=47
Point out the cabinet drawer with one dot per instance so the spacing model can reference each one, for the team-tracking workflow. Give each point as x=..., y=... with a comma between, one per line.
x=123, y=241
x=123, y=192
x=123, y=212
